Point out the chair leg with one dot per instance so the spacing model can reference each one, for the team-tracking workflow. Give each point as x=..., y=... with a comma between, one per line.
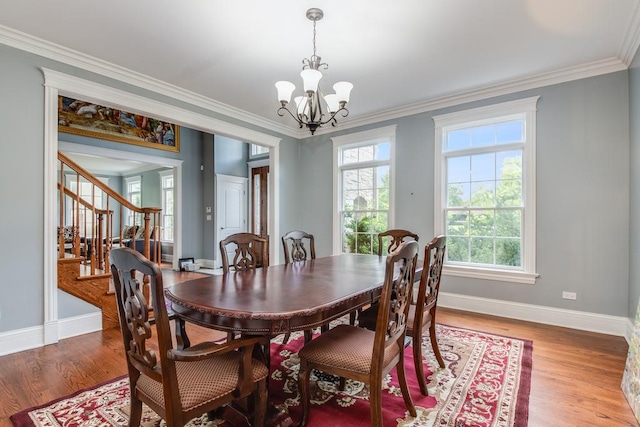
x=260, y=404
x=352, y=318
x=375, y=401
x=402, y=379
x=416, y=342
x=305, y=392
x=434, y=343
x=308, y=336
x=136, y=411
x=285, y=340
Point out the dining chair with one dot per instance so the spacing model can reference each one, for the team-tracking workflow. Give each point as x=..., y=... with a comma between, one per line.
x=294, y=246
x=293, y=243
x=422, y=313
x=251, y=251
x=363, y=355
x=390, y=239
x=178, y=384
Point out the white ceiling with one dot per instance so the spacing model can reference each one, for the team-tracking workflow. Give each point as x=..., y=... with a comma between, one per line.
x=100, y=165
x=397, y=53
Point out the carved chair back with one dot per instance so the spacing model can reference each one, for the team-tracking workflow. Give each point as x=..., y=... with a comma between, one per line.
x=164, y=382
x=251, y=251
x=393, y=238
x=395, y=300
x=293, y=244
x=427, y=297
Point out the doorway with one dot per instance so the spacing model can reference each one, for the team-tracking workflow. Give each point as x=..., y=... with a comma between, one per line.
x=260, y=200
x=231, y=209
x=57, y=83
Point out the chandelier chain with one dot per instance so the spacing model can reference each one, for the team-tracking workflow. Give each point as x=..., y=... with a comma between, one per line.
x=314, y=39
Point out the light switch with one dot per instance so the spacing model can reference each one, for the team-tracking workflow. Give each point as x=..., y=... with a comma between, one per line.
x=208, y=217
x=208, y=209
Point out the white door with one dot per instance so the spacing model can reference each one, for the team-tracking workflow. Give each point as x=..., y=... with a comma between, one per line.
x=231, y=210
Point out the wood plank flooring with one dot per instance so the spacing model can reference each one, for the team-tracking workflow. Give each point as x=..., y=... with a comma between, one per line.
x=575, y=380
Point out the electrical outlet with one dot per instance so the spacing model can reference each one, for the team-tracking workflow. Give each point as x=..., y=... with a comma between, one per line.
x=569, y=295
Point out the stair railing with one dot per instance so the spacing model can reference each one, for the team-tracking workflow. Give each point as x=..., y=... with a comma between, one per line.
x=86, y=229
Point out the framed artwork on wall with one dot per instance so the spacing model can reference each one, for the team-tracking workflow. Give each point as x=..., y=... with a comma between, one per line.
x=96, y=121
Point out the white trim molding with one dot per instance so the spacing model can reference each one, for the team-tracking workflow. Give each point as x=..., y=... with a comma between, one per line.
x=25, y=339
x=521, y=109
x=367, y=137
x=44, y=48
x=57, y=83
x=582, y=320
x=34, y=337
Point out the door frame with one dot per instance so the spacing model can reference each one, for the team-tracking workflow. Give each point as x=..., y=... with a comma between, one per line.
x=252, y=165
x=57, y=83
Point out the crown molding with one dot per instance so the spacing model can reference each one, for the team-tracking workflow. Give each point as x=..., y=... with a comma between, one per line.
x=507, y=87
x=632, y=38
x=26, y=42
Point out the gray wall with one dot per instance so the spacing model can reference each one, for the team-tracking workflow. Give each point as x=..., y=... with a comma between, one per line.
x=230, y=156
x=582, y=191
x=22, y=177
x=634, y=193
x=208, y=249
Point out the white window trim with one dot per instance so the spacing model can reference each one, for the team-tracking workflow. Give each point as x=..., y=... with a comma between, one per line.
x=163, y=175
x=373, y=136
x=259, y=155
x=127, y=181
x=527, y=274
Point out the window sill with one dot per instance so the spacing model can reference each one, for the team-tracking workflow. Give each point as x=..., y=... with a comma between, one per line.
x=489, y=274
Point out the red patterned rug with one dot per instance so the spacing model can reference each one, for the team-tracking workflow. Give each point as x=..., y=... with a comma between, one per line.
x=485, y=382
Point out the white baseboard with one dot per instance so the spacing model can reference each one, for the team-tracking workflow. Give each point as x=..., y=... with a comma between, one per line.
x=206, y=263
x=21, y=339
x=593, y=322
x=79, y=325
x=34, y=337
x=28, y=338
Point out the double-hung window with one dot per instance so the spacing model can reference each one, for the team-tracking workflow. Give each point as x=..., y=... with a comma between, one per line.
x=485, y=191
x=166, y=178
x=134, y=195
x=363, y=189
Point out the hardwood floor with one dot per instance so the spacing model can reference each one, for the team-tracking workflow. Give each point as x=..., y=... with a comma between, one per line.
x=575, y=380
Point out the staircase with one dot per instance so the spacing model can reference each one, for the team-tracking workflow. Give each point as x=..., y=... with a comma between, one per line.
x=92, y=220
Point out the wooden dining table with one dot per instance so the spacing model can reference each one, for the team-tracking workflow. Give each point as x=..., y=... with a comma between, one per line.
x=278, y=299
x=281, y=298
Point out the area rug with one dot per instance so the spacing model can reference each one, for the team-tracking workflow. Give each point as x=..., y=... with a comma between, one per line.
x=485, y=382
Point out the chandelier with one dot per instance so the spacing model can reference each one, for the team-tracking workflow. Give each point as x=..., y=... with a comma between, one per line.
x=314, y=109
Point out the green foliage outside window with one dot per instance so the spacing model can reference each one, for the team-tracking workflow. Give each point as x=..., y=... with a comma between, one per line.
x=486, y=228
x=361, y=227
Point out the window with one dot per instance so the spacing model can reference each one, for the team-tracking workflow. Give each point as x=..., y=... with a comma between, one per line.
x=134, y=195
x=363, y=190
x=166, y=178
x=485, y=190
x=258, y=150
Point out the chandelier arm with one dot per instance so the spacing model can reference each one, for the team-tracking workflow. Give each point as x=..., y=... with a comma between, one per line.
x=344, y=111
x=281, y=114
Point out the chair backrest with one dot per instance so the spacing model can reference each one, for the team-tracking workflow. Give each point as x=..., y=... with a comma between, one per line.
x=127, y=268
x=252, y=251
x=394, y=238
x=294, y=248
x=395, y=300
x=431, y=273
